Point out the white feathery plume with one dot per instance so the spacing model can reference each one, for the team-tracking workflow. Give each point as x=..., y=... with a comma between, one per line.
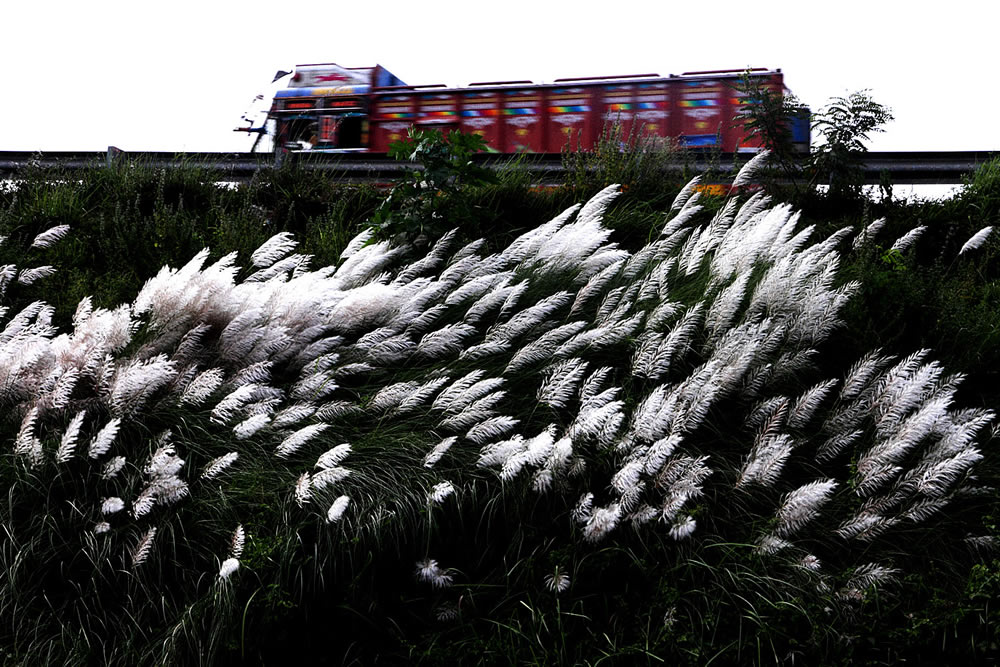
x=601, y=521
x=392, y=351
x=227, y=408
x=366, y=307
x=767, y=460
x=315, y=386
x=50, y=236
x=83, y=311
x=137, y=380
x=837, y=443
x=101, y=527
x=7, y=273
x=922, y=510
x=421, y=395
x=865, y=526
x=391, y=396
x=869, y=232
x=328, y=476
x=144, y=502
x=498, y=453
x=29, y=276
x=68, y=442
x=592, y=386
x=218, y=465
x=303, y=489
x=228, y=567
x=337, y=509
x=358, y=242
x=63, y=389
x=280, y=269
x=476, y=287
x=143, y=547
x=583, y=509
x=558, y=581
x=658, y=453
x=163, y=468
x=425, y=320
x=808, y=403
x=683, y=527
x=275, y=248
x=439, y=450
x=293, y=414
x=439, y=492
x=258, y=373
x=102, y=441
x=542, y=348
x=685, y=194
x=748, y=172
x=334, y=457
x=560, y=381
x=662, y=314
x=862, y=373
x=475, y=412
x=486, y=349
x=768, y=545
x=940, y=477
x=756, y=204
x=627, y=478
x=643, y=515
x=292, y=443
x=802, y=506
x=977, y=239
x=236, y=542
x=113, y=467
x=491, y=428
x=726, y=305
x=448, y=400
x=527, y=319
x=493, y=299
x=112, y=505
x=866, y=576
x=337, y=409
x=908, y=239
x=429, y=571
x=434, y=258
x=251, y=425
x=353, y=369
x=596, y=285
x=201, y=387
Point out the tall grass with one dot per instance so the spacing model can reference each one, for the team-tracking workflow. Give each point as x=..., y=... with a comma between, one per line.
x=654, y=453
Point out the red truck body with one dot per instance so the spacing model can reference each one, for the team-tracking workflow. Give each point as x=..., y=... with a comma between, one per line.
x=329, y=108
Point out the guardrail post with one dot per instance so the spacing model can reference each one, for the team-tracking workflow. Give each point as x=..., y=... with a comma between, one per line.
x=113, y=153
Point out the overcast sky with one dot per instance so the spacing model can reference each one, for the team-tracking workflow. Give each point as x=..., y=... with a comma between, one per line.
x=176, y=76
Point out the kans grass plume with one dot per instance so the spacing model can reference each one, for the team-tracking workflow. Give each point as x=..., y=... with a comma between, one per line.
x=560, y=367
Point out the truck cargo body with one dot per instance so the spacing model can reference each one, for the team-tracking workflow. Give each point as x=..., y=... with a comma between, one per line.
x=366, y=109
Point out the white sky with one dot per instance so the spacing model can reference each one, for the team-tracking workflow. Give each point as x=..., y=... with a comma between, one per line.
x=175, y=76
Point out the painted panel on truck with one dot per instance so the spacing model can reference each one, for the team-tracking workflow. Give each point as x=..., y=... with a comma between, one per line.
x=523, y=128
x=738, y=104
x=653, y=109
x=392, y=115
x=480, y=114
x=702, y=116
x=617, y=105
x=438, y=111
x=570, y=119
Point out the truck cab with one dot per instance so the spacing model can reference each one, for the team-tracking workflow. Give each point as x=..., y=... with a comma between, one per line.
x=325, y=108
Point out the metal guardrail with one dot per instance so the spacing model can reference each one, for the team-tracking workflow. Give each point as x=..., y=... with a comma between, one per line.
x=941, y=167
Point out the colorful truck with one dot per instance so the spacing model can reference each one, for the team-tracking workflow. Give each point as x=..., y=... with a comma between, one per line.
x=329, y=108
